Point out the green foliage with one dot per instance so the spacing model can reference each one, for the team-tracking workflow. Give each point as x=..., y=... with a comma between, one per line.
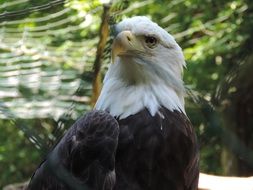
x=18, y=158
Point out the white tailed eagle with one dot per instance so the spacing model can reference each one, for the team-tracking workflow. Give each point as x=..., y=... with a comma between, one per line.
x=138, y=137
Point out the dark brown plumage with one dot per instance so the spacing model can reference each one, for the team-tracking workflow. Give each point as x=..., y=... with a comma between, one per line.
x=83, y=159
x=153, y=153
x=157, y=153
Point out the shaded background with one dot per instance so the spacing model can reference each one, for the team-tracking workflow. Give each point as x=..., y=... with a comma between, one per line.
x=47, y=55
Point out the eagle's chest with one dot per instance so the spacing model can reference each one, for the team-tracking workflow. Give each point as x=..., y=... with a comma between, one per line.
x=138, y=157
x=142, y=153
x=153, y=151
x=140, y=146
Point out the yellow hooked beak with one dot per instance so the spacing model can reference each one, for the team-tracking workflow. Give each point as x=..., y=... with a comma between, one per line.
x=125, y=42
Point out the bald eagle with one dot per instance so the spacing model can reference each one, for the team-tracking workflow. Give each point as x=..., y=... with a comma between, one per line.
x=138, y=137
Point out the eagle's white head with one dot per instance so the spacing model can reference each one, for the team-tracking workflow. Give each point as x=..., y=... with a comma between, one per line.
x=146, y=70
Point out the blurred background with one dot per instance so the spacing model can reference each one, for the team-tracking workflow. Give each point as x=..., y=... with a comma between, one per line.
x=51, y=70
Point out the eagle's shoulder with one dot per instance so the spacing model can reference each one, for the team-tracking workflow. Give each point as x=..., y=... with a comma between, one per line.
x=83, y=158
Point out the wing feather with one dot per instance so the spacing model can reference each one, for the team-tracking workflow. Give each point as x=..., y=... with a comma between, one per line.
x=83, y=159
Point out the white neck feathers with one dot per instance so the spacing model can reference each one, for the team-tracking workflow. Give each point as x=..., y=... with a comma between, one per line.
x=123, y=100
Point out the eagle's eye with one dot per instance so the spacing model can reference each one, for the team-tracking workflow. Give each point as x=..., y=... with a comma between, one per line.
x=151, y=41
